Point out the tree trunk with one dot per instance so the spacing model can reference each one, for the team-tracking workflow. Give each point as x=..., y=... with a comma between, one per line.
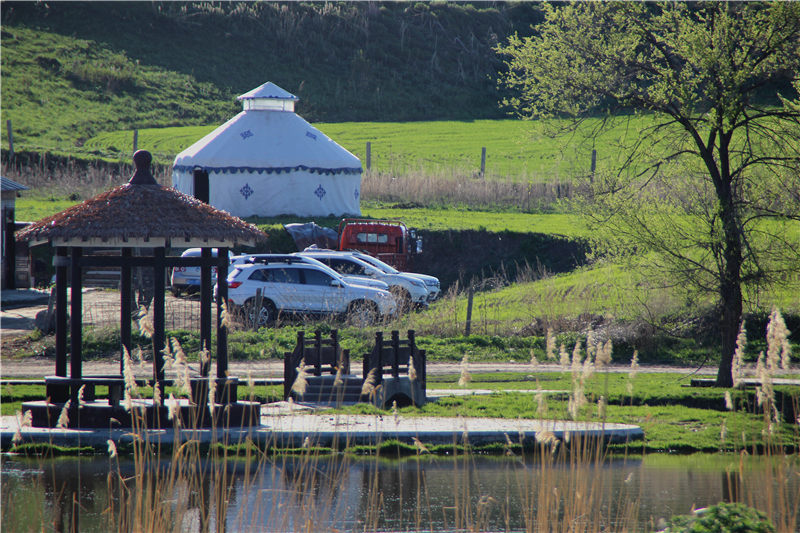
x=730, y=287
x=730, y=318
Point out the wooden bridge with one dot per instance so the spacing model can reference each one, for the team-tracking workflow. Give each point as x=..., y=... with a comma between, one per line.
x=318, y=371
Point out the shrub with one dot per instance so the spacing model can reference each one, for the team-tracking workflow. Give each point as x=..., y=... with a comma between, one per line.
x=722, y=518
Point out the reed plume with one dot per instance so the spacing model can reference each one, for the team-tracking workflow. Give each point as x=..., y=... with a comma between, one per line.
x=738, y=356
x=550, y=345
x=112, y=448
x=63, y=418
x=301, y=381
x=368, y=388
x=465, y=376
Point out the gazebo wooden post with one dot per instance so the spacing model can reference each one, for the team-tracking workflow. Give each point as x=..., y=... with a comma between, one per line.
x=126, y=294
x=205, y=308
x=222, y=298
x=76, y=314
x=60, y=261
x=159, y=282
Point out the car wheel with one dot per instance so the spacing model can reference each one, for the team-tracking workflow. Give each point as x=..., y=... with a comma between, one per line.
x=402, y=298
x=266, y=315
x=176, y=292
x=362, y=313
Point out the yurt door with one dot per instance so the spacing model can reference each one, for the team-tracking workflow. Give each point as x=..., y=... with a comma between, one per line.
x=201, y=189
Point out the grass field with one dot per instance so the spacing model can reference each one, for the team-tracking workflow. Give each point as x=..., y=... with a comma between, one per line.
x=516, y=150
x=34, y=205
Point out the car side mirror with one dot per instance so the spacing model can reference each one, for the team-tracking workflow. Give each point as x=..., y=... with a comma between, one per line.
x=336, y=283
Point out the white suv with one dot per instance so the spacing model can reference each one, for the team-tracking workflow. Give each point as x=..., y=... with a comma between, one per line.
x=298, y=287
x=266, y=258
x=408, y=290
x=431, y=282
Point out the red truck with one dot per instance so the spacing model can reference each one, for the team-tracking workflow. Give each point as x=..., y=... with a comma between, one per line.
x=388, y=240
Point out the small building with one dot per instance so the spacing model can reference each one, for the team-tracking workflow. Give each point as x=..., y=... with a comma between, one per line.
x=268, y=161
x=10, y=190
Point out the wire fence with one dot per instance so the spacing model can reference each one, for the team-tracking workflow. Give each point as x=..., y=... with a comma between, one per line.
x=179, y=314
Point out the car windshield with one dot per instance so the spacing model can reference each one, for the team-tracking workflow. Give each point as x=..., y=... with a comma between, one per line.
x=377, y=263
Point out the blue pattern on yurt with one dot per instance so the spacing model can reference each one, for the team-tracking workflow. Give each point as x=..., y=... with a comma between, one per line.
x=268, y=170
x=320, y=192
x=246, y=191
x=246, y=134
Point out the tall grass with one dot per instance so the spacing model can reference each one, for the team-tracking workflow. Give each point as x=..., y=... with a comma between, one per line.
x=426, y=188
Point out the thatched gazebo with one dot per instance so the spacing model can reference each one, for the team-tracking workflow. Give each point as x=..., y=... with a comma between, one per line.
x=139, y=214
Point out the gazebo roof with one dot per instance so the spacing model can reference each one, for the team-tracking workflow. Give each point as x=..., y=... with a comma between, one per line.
x=10, y=185
x=142, y=213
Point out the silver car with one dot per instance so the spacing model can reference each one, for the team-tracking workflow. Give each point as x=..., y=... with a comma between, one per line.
x=187, y=279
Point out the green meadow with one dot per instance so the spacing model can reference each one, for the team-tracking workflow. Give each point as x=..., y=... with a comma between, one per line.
x=516, y=150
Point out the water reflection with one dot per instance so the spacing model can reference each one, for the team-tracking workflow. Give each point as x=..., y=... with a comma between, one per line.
x=293, y=493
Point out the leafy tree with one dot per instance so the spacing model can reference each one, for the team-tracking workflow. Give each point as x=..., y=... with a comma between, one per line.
x=710, y=188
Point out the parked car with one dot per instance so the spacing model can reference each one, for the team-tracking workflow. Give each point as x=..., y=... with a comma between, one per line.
x=266, y=258
x=408, y=290
x=298, y=287
x=187, y=279
x=431, y=282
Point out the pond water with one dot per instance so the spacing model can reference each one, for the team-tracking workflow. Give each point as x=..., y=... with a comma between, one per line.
x=322, y=494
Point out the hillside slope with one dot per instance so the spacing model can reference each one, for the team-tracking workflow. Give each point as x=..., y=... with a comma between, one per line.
x=73, y=69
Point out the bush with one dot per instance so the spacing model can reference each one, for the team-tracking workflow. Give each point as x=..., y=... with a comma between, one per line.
x=722, y=518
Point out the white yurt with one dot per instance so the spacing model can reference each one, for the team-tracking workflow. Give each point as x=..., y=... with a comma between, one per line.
x=268, y=161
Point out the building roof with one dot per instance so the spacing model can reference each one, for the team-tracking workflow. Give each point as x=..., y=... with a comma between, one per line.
x=142, y=213
x=11, y=185
x=268, y=90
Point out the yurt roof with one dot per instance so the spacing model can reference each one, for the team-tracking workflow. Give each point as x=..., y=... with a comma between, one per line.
x=267, y=141
x=268, y=90
x=144, y=214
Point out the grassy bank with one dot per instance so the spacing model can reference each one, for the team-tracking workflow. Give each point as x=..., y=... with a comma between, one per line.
x=675, y=418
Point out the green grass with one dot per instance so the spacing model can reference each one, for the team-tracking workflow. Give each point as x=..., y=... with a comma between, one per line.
x=516, y=150
x=72, y=71
x=674, y=417
x=34, y=206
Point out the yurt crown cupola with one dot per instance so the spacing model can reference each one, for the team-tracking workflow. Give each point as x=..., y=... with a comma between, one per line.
x=268, y=97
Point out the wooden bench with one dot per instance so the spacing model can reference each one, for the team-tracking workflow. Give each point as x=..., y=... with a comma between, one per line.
x=320, y=355
x=60, y=389
x=395, y=357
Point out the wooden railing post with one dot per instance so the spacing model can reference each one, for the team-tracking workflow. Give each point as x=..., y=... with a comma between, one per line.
x=395, y=354
x=318, y=353
x=337, y=356
x=378, y=361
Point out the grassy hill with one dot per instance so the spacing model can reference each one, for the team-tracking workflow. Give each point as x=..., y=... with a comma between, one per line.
x=71, y=70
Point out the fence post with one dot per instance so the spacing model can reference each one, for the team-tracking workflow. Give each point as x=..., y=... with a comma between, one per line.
x=594, y=165
x=468, y=328
x=135, y=140
x=483, y=162
x=369, y=155
x=10, y=140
